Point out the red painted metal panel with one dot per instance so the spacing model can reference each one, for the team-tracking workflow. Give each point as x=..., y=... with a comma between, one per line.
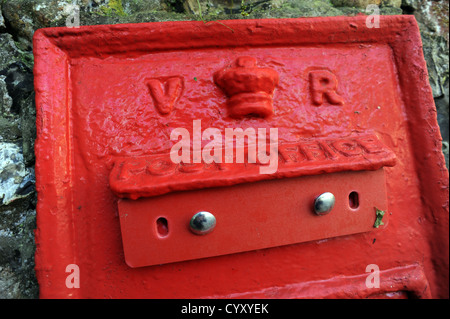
x=256, y=215
x=107, y=96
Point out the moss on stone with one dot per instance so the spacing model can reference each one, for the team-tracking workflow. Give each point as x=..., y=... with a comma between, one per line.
x=114, y=7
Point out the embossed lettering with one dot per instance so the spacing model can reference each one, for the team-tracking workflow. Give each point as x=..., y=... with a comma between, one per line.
x=323, y=84
x=330, y=152
x=290, y=154
x=191, y=167
x=371, y=144
x=347, y=147
x=265, y=158
x=131, y=169
x=161, y=166
x=313, y=151
x=165, y=93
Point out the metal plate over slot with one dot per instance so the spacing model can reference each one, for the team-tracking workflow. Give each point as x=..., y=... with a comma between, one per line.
x=249, y=216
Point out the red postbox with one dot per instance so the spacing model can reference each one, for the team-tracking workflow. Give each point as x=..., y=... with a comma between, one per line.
x=292, y=158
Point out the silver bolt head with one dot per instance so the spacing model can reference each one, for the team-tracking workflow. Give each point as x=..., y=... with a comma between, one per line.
x=202, y=223
x=324, y=203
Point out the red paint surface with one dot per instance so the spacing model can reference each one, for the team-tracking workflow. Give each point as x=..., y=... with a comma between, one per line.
x=94, y=105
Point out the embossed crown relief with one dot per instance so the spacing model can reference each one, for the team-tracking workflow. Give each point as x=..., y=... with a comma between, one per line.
x=249, y=89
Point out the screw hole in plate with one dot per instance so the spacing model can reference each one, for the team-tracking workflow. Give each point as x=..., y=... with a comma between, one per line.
x=162, y=227
x=353, y=200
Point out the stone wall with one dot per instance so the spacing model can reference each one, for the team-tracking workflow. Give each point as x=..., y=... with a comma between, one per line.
x=20, y=18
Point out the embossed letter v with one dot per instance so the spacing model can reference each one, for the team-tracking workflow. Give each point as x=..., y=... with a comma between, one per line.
x=165, y=93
